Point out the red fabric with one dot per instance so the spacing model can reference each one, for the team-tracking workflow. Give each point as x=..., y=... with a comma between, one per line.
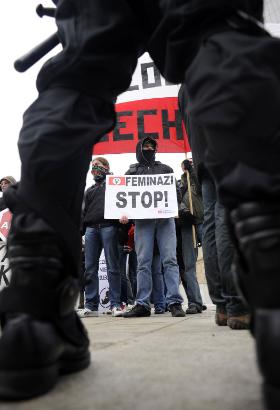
x=130, y=241
x=157, y=117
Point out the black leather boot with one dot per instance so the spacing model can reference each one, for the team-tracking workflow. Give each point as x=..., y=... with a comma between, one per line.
x=257, y=229
x=42, y=337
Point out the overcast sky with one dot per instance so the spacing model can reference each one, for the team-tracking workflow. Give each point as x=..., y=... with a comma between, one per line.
x=20, y=30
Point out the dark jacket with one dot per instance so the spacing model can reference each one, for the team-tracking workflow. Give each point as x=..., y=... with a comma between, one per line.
x=185, y=216
x=143, y=167
x=94, y=204
x=170, y=30
x=185, y=25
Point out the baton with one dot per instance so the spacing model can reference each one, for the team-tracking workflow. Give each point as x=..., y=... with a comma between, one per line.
x=27, y=60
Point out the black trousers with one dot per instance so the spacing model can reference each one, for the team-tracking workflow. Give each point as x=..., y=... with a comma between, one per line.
x=234, y=96
x=234, y=87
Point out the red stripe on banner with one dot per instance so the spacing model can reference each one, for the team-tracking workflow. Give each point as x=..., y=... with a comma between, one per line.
x=158, y=117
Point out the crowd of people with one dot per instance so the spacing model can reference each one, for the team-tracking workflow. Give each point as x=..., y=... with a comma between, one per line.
x=148, y=258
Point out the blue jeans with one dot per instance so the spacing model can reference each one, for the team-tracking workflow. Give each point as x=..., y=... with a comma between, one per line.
x=97, y=239
x=218, y=253
x=189, y=279
x=163, y=230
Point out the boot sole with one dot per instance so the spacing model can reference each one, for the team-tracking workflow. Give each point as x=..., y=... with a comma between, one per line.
x=25, y=384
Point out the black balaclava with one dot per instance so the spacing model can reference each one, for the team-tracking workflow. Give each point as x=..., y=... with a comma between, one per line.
x=150, y=156
x=99, y=173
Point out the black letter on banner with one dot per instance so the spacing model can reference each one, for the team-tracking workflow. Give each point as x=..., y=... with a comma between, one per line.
x=133, y=87
x=134, y=181
x=121, y=197
x=140, y=124
x=133, y=195
x=150, y=199
x=116, y=133
x=141, y=181
x=166, y=125
x=158, y=196
x=166, y=198
x=144, y=74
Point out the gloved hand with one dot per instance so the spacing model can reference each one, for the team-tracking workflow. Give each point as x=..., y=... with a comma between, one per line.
x=187, y=217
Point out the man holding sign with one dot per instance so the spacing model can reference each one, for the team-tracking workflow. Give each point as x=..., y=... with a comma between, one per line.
x=159, y=230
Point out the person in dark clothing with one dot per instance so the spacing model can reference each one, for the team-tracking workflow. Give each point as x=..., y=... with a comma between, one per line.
x=100, y=234
x=188, y=220
x=218, y=248
x=5, y=182
x=147, y=231
x=230, y=66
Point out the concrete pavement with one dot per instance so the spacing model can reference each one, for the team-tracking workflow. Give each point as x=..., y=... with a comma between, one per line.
x=162, y=363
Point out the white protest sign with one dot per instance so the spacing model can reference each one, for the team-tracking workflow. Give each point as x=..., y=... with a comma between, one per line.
x=141, y=196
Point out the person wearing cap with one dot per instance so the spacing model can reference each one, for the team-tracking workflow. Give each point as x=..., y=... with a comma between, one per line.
x=150, y=235
x=5, y=182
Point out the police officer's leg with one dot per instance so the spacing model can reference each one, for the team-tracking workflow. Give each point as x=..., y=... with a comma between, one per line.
x=240, y=117
x=41, y=334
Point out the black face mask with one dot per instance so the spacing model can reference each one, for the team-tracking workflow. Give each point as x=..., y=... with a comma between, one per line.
x=99, y=178
x=149, y=156
x=99, y=173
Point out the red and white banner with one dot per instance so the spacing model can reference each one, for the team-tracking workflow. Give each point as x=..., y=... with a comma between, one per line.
x=148, y=108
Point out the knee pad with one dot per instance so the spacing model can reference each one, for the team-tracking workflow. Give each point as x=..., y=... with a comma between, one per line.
x=257, y=233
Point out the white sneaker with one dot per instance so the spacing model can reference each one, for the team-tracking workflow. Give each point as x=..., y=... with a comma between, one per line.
x=88, y=313
x=117, y=311
x=129, y=308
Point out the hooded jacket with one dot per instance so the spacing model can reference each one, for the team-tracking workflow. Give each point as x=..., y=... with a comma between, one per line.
x=144, y=167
